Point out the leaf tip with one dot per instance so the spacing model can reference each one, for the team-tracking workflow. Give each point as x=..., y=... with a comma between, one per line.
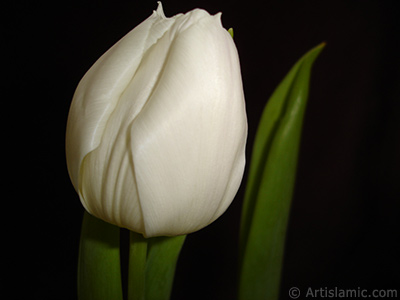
x=230, y=30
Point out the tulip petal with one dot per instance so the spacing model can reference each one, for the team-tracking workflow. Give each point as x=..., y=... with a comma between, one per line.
x=193, y=125
x=112, y=194
x=98, y=92
x=157, y=128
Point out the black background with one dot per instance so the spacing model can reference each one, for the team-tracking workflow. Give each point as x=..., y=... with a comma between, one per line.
x=344, y=224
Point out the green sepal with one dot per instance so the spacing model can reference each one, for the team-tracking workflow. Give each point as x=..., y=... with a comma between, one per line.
x=270, y=184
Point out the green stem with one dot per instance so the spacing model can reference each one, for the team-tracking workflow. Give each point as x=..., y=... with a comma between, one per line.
x=99, y=271
x=152, y=264
x=137, y=266
x=163, y=254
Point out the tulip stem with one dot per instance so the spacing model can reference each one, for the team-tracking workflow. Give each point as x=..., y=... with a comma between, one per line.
x=99, y=273
x=162, y=257
x=137, y=266
x=152, y=264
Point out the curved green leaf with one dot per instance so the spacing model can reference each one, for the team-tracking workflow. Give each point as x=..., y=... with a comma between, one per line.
x=270, y=184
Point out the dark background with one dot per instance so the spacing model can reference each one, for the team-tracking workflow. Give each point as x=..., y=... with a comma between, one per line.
x=344, y=224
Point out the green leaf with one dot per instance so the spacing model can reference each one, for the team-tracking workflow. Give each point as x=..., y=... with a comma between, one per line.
x=99, y=271
x=271, y=182
x=230, y=30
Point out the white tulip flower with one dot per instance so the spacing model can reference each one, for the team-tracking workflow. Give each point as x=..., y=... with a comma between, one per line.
x=157, y=127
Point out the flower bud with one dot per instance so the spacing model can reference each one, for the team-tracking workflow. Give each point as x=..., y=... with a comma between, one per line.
x=157, y=127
